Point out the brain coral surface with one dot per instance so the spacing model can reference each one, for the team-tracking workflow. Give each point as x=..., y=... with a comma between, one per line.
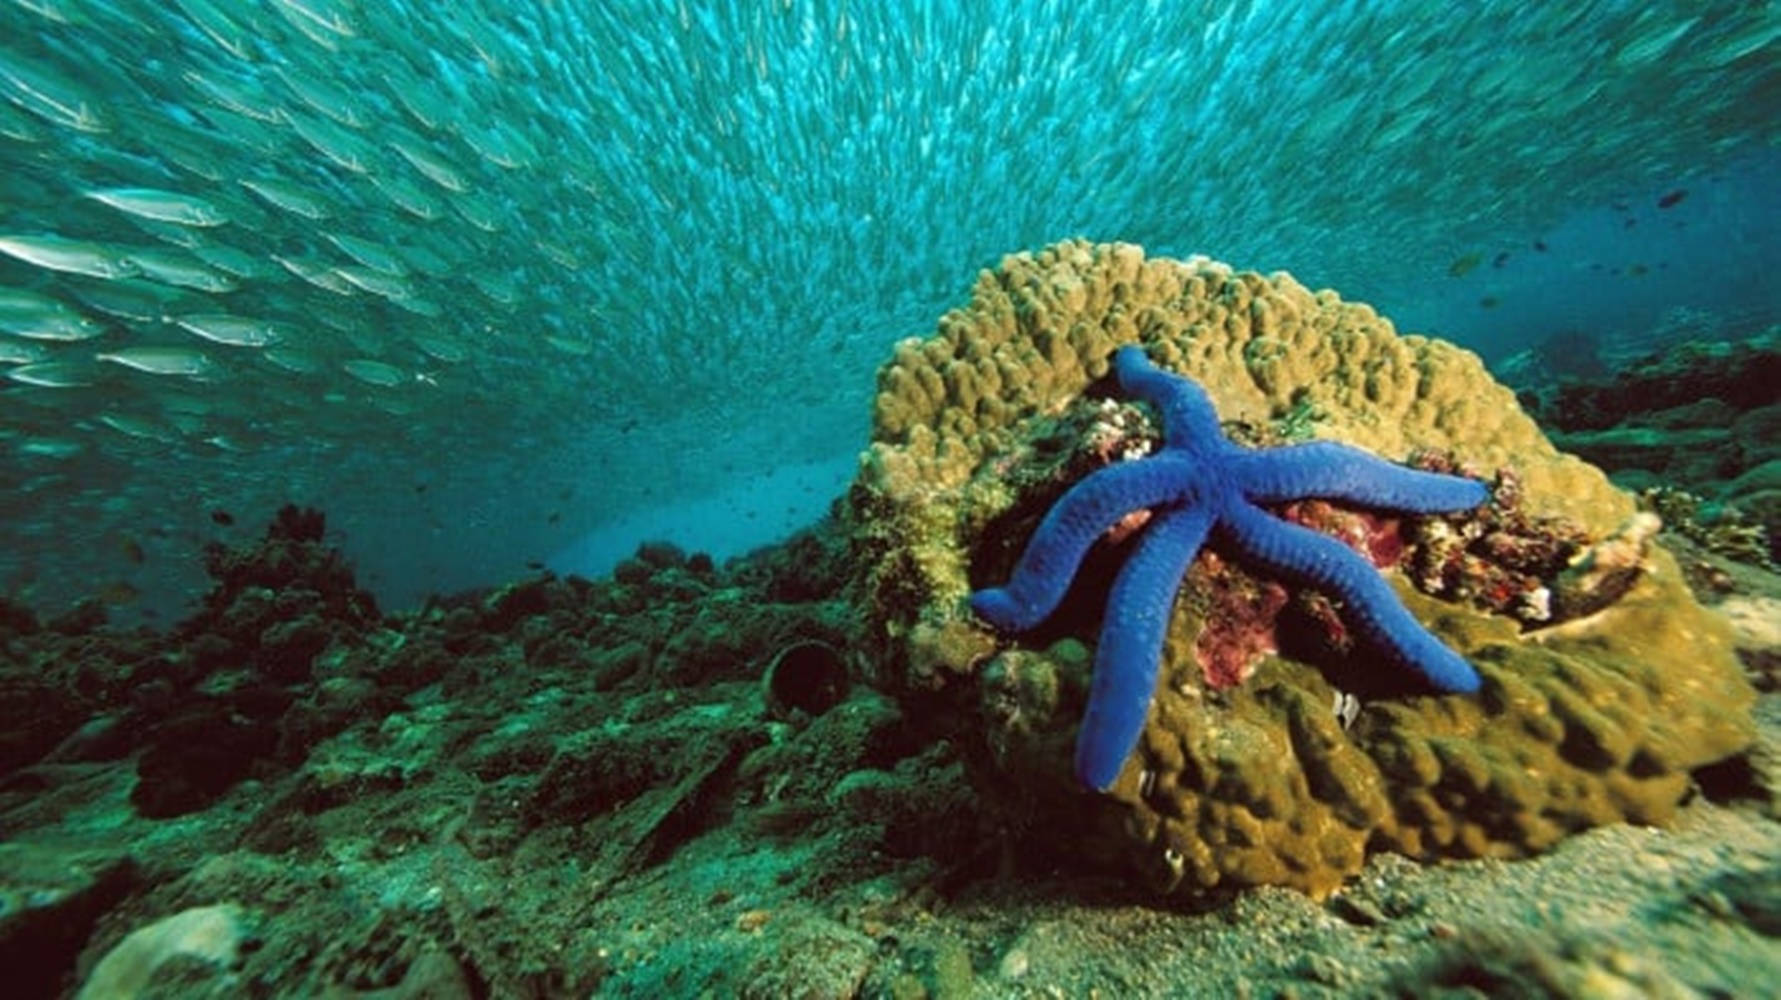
x=1264, y=771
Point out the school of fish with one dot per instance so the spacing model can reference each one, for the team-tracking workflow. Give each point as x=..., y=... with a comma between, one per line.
x=583, y=256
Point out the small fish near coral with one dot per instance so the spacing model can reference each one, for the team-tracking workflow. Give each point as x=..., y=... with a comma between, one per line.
x=1202, y=486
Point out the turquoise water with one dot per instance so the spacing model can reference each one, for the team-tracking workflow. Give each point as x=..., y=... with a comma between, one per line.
x=502, y=284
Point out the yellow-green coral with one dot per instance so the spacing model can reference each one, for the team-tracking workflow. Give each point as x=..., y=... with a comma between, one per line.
x=1597, y=720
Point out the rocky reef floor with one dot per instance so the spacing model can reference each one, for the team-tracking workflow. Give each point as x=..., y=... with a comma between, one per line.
x=677, y=782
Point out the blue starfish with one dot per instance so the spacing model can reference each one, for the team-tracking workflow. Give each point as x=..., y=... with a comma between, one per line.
x=1202, y=485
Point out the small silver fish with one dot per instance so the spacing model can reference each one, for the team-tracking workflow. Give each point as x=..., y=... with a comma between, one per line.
x=288, y=197
x=374, y=372
x=56, y=253
x=431, y=165
x=376, y=282
x=236, y=331
x=53, y=374
x=59, y=324
x=184, y=270
x=21, y=352
x=373, y=255
x=162, y=206
x=160, y=360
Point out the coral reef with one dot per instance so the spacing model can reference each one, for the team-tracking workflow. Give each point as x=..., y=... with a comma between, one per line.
x=978, y=430
x=676, y=783
x=1694, y=429
x=799, y=772
x=546, y=725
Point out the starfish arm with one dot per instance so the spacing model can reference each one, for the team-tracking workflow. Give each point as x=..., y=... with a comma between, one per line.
x=1187, y=412
x=1079, y=517
x=1138, y=609
x=1368, y=602
x=1340, y=472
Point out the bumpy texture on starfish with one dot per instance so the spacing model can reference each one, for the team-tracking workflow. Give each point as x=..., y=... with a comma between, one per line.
x=1202, y=485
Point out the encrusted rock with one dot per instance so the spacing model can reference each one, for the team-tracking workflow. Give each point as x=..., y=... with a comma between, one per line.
x=1249, y=770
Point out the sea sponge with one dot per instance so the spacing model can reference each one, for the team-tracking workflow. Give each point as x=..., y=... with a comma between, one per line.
x=978, y=428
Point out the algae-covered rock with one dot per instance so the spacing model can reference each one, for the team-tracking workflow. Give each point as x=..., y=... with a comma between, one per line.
x=1605, y=685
